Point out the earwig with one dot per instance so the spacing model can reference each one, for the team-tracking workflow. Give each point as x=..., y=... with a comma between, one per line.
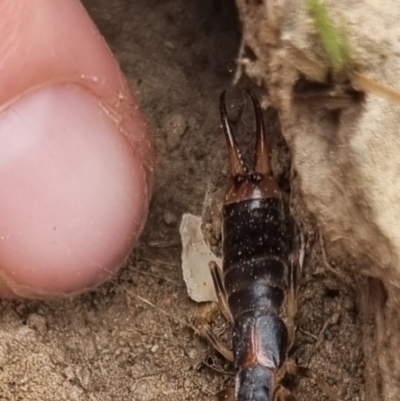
x=257, y=286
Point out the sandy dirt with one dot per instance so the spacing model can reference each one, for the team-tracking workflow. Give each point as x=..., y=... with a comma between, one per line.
x=108, y=344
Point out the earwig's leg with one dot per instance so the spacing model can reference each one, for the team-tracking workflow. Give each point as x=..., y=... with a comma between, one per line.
x=283, y=394
x=216, y=366
x=227, y=394
x=206, y=332
x=293, y=369
x=220, y=291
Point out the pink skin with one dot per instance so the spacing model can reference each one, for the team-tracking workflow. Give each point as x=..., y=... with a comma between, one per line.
x=75, y=157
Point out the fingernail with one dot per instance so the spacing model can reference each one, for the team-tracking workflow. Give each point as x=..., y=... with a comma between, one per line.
x=72, y=192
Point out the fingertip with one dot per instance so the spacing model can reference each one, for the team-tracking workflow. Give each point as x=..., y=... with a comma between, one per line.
x=76, y=162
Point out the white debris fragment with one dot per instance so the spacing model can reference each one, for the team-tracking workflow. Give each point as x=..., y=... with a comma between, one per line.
x=196, y=255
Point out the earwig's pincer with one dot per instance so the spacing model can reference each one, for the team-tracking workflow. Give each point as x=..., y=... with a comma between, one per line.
x=245, y=185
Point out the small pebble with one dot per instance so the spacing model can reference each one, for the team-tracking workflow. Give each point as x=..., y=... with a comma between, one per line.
x=170, y=219
x=348, y=303
x=38, y=323
x=329, y=334
x=193, y=353
x=175, y=125
x=154, y=348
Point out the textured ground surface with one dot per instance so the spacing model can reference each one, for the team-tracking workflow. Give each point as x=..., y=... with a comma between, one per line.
x=109, y=345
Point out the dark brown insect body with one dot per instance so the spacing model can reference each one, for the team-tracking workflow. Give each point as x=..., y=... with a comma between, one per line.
x=255, y=271
x=257, y=275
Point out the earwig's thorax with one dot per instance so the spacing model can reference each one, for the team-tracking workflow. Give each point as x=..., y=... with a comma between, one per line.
x=250, y=187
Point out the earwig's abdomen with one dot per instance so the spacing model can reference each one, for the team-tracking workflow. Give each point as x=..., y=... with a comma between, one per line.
x=256, y=246
x=255, y=252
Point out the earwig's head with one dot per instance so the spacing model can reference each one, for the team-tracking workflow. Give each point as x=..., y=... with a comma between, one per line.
x=254, y=383
x=246, y=185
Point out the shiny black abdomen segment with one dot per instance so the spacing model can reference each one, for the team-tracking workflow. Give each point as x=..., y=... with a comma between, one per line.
x=260, y=339
x=256, y=383
x=264, y=268
x=257, y=297
x=254, y=229
x=256, y=247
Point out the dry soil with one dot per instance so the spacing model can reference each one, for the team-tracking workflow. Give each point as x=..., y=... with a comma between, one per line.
x=108, y=344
